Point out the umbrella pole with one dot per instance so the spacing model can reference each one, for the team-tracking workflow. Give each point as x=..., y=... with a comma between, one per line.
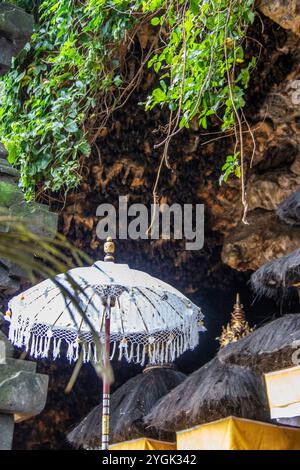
x=106, y=385
x=109, y=249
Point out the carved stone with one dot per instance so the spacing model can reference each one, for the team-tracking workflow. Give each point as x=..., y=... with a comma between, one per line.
x=23, y=392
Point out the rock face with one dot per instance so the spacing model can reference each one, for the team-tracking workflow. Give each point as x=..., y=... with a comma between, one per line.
x=16, y=27
x=273, y=181
x=289, y=210
x=265, y=238
x=284, y=12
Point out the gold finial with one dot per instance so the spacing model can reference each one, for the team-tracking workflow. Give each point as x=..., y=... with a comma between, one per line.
x=109, y=249
x=238, y=314
x=238, y=326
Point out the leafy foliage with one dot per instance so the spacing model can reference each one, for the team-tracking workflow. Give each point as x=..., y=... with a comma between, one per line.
x=231, y=167
x=52, y=88
x=71, y=65
x=202, y=58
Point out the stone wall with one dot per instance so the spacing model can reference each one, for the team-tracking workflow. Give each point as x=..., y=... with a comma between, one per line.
x=15, y=30
x=284, y=12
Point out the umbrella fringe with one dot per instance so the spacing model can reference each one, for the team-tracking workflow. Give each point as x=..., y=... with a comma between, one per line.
x=56, y=348
x=39, y=342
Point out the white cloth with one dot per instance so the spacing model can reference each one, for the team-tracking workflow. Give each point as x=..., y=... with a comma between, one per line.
x=149, y=316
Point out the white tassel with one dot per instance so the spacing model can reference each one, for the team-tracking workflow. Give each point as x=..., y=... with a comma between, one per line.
x=113, y=350
x=94, y=352
x=181, y=344
x=126, y=353
x=36, y=349
x=177, y=347
x=56, y=348
x=33, y=338
x=120, y=352
x=89, y=351
x=138, y=353
x=173, y=350
x=41, y=346
x=70, y=351
x=26, y=342
x=162, y=352
x=76, y=349
x=167, y=353
x=131, y=353
x=154, y=353
x=143, y=355
x=83, y=348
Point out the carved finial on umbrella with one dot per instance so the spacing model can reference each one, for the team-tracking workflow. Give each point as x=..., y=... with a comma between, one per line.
x=238, y=326
x=109, y=249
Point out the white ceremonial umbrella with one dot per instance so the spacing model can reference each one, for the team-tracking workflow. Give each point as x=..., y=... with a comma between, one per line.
x=135, y=315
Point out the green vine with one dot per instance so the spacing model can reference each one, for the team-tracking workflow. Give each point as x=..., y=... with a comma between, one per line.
x=67, y=82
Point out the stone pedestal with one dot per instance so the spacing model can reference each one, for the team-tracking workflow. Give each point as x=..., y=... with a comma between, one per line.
x=23, y=392
x=6, y=431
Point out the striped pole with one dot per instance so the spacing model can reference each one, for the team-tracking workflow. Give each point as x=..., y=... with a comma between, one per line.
x=106, y=386
x=109, y=249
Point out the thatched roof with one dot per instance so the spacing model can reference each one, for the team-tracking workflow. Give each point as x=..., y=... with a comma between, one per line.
x=276, y=277
x=289, y=210
x=129, y=404
x=214, y=391
x=268, y=348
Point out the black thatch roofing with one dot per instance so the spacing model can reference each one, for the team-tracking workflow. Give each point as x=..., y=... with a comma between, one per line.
x=268, y=348
x=214, y=391
x=129, y=404
x=289, y=210
x=276, y=277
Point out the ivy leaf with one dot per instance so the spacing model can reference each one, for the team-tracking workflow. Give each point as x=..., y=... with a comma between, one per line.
x=85, y=148
x=71, y=127
x=12, y=150
x=159, y=95
x=194, y=6
x=155, y=21
x=251, y=17
x=118, y=80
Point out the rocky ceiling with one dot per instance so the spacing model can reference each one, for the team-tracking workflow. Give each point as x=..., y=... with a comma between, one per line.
x=125, y=162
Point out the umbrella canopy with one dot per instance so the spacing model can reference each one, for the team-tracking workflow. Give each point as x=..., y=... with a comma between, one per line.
x=214, y=391
x=289, y=210
x=274, y=278
x=129, y=404
x=149, y=317
x=270, y=347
